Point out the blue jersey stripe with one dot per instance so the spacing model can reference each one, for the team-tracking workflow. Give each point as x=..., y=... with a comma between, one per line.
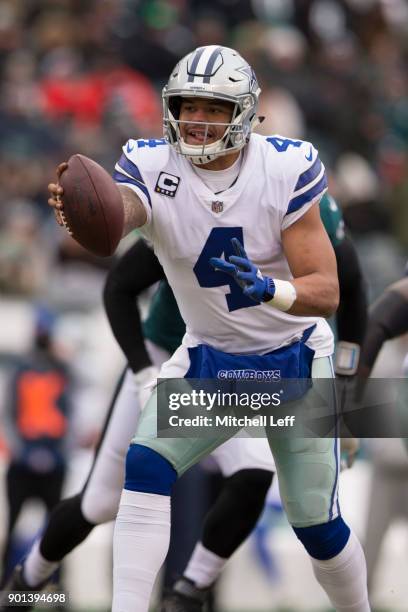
x=309, y=175
x=306, y=197
x=194, y=64
x=210, y=65
x=131, y=168
x=121, y=178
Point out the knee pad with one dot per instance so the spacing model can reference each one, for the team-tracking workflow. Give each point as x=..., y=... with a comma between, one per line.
x=324, y=541
x=148, y=472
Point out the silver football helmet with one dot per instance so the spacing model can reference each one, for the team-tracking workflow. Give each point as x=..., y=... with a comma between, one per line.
x=212, y=72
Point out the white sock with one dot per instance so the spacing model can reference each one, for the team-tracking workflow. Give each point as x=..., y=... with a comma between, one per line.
x=36, y=568
x=344, y=578
x=140, y=543
x=204, y=566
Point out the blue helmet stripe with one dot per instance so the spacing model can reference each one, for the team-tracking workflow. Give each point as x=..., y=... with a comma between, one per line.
x=194, y=64
x=210, y=64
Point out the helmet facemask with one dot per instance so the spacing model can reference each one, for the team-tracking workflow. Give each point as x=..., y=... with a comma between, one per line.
x=233, y=139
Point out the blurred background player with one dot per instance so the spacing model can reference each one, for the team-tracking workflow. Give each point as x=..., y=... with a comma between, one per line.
x=36, y=424
x=388, y=319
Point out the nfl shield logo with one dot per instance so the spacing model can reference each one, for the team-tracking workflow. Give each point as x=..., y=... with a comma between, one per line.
x=217, y=206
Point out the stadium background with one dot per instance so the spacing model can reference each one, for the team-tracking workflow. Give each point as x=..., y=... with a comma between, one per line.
x=83, y=76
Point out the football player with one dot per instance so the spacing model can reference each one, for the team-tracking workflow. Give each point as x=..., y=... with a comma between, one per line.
x=388, y=319
x=212, y=188
x=165, y=328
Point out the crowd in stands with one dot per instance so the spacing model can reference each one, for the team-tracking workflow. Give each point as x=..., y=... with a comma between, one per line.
x=85, y=75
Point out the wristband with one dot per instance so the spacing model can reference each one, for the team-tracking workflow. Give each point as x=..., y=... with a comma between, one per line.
x=346, y=359
x=284, y=295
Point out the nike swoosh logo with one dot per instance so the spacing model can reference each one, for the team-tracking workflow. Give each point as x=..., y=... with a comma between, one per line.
x=310, y=156
x=129, y=148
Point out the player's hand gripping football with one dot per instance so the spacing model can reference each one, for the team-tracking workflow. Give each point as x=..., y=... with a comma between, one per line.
x=257, y=287
x=56, y=192
x=88, y=203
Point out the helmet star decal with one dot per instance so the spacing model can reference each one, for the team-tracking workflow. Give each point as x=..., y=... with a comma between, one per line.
x=248, y=71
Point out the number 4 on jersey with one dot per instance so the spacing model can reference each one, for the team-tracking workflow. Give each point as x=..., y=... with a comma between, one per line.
x=218, y=244
x=282, y=144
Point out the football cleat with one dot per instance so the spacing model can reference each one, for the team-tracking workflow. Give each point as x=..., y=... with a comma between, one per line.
x=186, y=597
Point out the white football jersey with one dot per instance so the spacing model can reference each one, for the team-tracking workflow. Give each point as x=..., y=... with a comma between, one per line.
x=279, y=180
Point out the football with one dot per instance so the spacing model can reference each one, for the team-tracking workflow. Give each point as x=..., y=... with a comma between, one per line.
x=92, y=206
